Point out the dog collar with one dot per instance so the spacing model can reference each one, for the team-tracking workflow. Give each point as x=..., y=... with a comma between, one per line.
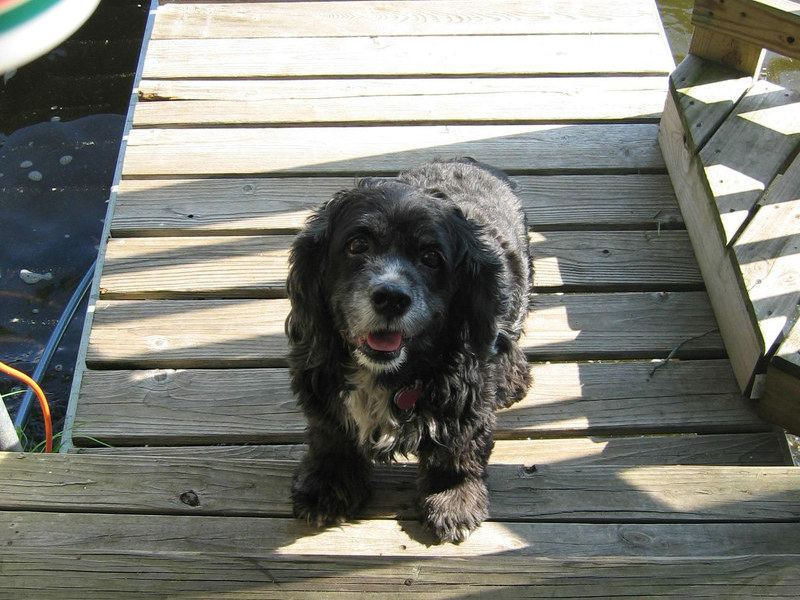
x=407, y=397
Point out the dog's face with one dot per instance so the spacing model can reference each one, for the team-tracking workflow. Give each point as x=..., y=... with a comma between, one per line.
x=392, y=270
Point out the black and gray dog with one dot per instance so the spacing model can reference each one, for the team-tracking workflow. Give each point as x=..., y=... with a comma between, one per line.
x=408, y=297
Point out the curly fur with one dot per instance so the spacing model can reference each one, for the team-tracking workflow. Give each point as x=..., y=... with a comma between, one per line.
x=420, y=278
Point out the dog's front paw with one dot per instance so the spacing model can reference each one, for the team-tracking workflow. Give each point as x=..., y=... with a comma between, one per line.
x=454, y=513
x=323, y=501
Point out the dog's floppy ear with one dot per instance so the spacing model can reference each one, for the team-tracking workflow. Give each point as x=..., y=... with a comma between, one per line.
x=308, y=320
x=481, y=299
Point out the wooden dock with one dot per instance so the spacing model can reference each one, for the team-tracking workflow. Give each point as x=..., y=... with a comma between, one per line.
x=634, y=467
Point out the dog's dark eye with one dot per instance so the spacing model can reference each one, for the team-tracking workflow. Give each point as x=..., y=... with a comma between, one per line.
x=431, y=258
x=357, y=245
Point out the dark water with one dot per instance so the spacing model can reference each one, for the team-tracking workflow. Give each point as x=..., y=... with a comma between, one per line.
x=61, y=119
x=55, y=180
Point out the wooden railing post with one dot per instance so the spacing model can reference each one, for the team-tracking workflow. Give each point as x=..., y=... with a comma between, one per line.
x=726, y=50
x=738, y=30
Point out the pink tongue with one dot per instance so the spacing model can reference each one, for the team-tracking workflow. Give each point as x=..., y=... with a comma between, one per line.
x=384, y=342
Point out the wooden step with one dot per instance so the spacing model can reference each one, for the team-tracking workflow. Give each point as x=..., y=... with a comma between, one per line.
x=250, y=332
x=529, y=149
x=244, y=557
x=256, y=266
x=519, y=492
x=197, y=406
x=435, y=17
x=737, y=185
x=373, y=55
x=263, y=102
x=280, y=205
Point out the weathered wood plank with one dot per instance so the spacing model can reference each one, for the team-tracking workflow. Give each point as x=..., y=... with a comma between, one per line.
x=188, y=406
x=644, y=54
x=257, y=266
x=188, y=333
x=742, y=339
x=752, y=283
x=748, y=150
x=219, y=206
x=249, y=333
x=230, y=267
x=767, y=256
x=359, y=101
x=767, y=448
x=261, y=487
x=600, y=398
x=629, y=325
x=787, y=357
x=365, y=150
x=404, y=540
x=169, y=407
x=772, y=24
x=281, y=205
x=636, y=201
x=496, y=89
x=719, y=47
x=606, y=260
x=310, y=19
x=96, y=575
x=287, y=451
x=706, y=93
x=781, y=401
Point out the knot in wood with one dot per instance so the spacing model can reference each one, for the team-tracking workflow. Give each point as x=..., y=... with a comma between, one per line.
x=190, y=498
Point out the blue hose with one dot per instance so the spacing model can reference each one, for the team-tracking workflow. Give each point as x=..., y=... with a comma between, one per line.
x=52, y=345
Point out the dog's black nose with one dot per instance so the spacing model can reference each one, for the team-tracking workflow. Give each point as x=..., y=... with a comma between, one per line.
x=390, y=300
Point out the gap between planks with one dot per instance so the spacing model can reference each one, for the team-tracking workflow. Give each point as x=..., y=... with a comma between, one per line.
x=766, y=448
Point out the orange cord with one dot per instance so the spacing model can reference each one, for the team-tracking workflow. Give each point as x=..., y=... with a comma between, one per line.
x=48, y=424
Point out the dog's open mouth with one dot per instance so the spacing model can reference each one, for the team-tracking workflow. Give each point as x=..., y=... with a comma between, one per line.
x=378, y=346
x=384, y=341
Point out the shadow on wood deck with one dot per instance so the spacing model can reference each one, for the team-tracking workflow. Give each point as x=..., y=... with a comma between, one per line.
x=634, y=467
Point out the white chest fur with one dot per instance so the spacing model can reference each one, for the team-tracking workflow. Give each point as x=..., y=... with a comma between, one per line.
x=373, y=420
x=370, y=413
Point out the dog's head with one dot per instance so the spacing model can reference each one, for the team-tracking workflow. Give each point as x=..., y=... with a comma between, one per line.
x=390, y=271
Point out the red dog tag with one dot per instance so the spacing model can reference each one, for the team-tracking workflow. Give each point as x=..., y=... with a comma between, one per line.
x=407, y=397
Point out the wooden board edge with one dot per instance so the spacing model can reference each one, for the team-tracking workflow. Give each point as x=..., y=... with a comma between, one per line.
x=695, y=71
x=727, y=50
x=80, y=363
x=729, y=300
x=750, y=24
x=780, y=402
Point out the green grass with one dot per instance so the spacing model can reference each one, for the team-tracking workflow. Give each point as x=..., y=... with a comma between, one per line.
x=31, y=446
